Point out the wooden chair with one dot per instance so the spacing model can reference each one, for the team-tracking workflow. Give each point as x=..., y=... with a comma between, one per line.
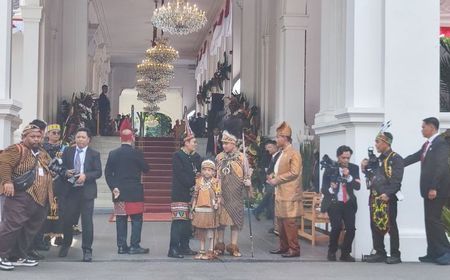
x=311, y=206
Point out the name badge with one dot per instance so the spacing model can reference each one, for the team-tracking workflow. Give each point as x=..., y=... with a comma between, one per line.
x=41, y=171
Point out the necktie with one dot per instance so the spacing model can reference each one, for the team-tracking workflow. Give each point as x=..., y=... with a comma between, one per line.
x=344, y=193
x=424, y=150
x=77, y=164
x=215, y=145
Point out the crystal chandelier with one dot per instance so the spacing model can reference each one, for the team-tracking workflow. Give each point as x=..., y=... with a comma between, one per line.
x=162, y=52
x=154, y=70
x=179, y=18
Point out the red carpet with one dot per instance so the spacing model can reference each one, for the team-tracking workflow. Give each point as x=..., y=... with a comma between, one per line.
x=158, y=152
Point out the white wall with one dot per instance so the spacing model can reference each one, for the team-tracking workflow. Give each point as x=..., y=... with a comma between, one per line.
x=123, y=76
x=185, y=80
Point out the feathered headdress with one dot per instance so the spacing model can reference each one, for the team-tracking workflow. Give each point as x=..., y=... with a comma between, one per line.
x=383, y=135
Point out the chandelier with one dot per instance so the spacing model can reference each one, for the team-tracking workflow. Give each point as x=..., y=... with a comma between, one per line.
x=179, y=18
x=162, y=52
x=152, y=108
x=154, y=70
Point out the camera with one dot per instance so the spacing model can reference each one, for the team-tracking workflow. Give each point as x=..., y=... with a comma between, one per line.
x=373, y=164
x=332, y=168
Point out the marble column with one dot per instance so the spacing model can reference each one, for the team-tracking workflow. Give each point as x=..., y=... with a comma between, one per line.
x=30, y=96
x=9, y=108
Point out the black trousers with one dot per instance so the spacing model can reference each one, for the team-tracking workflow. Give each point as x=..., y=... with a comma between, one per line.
x=23, y=218
x=76, y=204
x=122, y=230
x=378, y=237
x=437, y=240
x=180, y=233
x=342, y=213
x=267, y=203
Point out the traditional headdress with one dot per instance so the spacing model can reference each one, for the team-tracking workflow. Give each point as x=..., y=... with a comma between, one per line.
x=228, y=137
x=284, y=130
x=30, y=128
x=383, y=135
x=188, y=134
x=208, y=164
x=54, y=126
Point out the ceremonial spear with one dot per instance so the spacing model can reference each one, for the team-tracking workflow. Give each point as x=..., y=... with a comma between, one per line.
x=246, y=171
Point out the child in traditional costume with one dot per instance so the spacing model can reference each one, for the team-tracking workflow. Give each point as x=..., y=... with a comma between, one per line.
x=205, y=203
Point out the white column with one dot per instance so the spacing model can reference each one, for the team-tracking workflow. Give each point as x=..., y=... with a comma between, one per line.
x=75, y=47
x=31, y=14
x=9, y=108
x=291, y=62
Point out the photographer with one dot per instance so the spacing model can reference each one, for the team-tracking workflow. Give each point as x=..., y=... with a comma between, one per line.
x=384, y=183
x=340, y=179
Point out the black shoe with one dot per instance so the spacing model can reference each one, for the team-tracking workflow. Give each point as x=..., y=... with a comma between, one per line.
x=427, y=259
x=35, y=255
x=123, y=250
x=278, y=251
x=376, y=258
x=444, y=259
x=331, y=257
x=347, y=258
x=138, y=250
x=173, y=253
x=25, y=262
x=6, y=264
x=63, y=251
x=188, y=252
x=256, y=215
x=87, y=256
x=393, y=260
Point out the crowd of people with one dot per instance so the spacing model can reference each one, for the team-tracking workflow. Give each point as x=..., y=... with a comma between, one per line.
x=46, y=187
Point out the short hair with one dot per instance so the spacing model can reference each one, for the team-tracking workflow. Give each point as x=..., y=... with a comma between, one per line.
x=84, y=129
x=39, y=123
x=432, y=121
x=104, y=86
x=273, y=142
x=343, y=149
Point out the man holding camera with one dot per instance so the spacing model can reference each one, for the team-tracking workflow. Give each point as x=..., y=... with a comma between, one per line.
x=384, y=176
x=339, y=182
x=83, y=167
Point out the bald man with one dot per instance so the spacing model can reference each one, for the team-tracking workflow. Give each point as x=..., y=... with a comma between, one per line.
x=123, y=172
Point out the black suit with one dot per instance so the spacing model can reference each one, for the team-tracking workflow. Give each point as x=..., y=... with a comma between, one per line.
x=81, y=199
x=434, y=174
x=268, y=201
x=210, y=145
x=123, y=171
x=338, y=211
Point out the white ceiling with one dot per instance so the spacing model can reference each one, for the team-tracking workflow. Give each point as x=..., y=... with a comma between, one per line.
x=129, y=31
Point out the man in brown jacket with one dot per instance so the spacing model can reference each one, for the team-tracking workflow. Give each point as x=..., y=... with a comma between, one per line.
x=25, y=206
x=288, y=193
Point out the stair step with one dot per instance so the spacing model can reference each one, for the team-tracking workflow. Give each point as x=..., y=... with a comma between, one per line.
x=158, y=154
x=159, y=160
x=156, y=208
x=157, y=192
x=158, y=148
x=153, y=173
x=158, y=179
x=158, y=200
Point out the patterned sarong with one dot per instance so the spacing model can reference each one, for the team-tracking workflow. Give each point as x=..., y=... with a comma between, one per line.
x=379, y=214
x=232, y=195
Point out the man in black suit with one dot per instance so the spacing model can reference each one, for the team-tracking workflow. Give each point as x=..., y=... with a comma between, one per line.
x=268, y=201
x=186, y=163
x=214, y=145
x=83, y=167
x=434, y=188
x=123, y=174
x=339, y=201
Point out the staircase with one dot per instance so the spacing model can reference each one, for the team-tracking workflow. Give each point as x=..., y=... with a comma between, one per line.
x=158, y=153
